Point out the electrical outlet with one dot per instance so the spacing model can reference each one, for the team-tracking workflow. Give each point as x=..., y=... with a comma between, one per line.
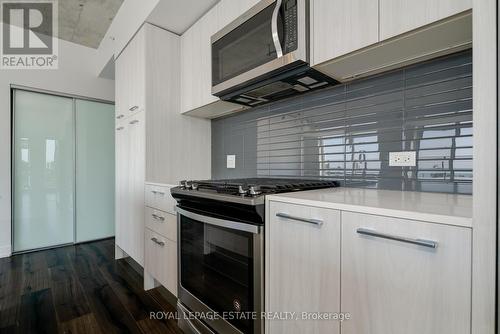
x=403, y=159
x=231, y=161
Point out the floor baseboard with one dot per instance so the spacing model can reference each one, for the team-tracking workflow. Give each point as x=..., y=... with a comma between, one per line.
x=5, y=251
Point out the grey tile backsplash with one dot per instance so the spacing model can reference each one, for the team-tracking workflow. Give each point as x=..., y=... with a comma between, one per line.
x=346, y=132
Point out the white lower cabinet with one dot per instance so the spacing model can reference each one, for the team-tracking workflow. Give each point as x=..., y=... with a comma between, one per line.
x=161, y=222
x=303, y=267
x=391, y=286
x=387, y=275
x=160, y=238
x=161, y=259
x=158, y=196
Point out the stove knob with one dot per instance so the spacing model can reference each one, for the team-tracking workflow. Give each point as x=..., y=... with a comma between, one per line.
x=194, y=186
x=183, y=184
x=241, y=191
x=254, y=191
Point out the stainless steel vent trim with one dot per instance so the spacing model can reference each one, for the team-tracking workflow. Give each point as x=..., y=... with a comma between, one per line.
x=259, y=71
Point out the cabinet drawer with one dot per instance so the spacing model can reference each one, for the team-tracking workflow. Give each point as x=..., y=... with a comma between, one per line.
x=287, y=213
x=159, y=197
x=162, y=223
x=404, y=276
x=161, y=259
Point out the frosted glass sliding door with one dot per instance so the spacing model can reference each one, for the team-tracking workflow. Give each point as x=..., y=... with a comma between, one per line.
x=43, y=170
x=63, y=170
x=95, y=170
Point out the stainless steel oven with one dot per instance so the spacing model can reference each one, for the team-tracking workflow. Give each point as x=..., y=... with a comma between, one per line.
x=221, y=251
x=220, y=273
x=264, y=54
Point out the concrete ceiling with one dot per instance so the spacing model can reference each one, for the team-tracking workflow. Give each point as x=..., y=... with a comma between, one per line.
x=178, y=15
x=85, y=22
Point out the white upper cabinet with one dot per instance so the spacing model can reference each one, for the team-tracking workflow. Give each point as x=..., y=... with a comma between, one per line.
x=397, y=17
x=130, y=66
x=339, y=27
x=196, y=76
x=196, y=63
x=121, y=100
x=190, y=66
x=359, y=38
x=208, y=26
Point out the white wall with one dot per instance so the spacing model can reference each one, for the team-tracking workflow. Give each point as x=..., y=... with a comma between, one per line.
x=76, y=75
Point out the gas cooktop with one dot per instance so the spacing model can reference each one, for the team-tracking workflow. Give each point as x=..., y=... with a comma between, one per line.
x=249, y=191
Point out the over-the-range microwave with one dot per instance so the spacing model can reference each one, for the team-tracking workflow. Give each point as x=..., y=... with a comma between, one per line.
x=263, y=55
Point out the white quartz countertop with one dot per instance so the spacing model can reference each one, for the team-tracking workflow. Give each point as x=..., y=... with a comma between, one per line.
x=430, y=207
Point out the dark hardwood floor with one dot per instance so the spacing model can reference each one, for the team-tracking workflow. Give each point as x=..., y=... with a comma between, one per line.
x=78, y=289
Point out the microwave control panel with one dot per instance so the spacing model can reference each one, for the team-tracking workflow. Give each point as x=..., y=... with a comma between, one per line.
x=289, y=8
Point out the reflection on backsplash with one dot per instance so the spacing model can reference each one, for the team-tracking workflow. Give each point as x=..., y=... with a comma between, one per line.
x=346, y=132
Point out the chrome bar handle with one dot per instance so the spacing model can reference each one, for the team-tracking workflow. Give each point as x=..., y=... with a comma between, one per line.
x=160, y=218
x=418, y=242
x=133, y=108
x=161, y=243
x=274, y=29
x=317, y=222
x=133, y=122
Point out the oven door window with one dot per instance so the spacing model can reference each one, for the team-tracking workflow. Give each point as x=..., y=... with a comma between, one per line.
x=217, y=267
x=246, y=47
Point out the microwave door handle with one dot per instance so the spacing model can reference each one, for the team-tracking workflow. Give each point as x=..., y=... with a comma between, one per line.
x=274, y=29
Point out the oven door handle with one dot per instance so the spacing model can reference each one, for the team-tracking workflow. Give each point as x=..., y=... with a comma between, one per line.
x=220, y=222
x=274, y=29
x=192, y=327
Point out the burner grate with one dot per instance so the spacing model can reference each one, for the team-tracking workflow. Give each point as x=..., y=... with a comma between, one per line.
x=264, y=185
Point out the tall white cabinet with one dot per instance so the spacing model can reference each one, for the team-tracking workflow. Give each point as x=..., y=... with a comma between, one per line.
x=129, y=174
x=154, y=142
